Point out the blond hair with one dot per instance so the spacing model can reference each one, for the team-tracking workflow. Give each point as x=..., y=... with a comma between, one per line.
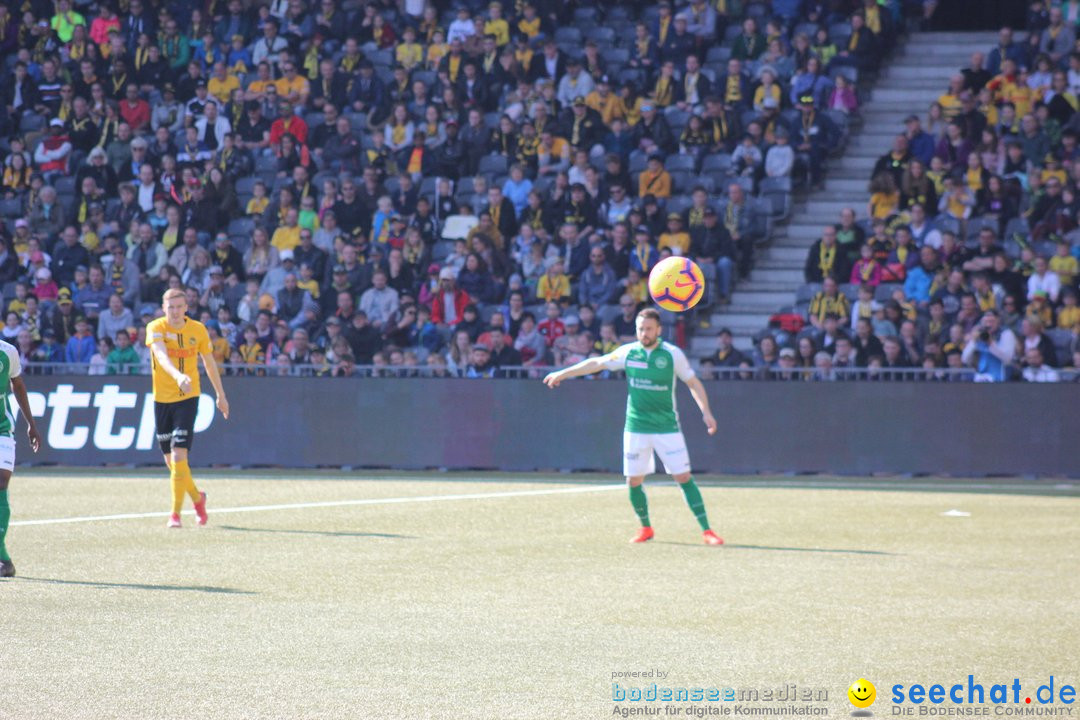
x=173, y=293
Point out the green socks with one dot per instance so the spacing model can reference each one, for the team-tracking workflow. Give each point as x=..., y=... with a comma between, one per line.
x=5, y=518
x=693, y=499
x=637, y=499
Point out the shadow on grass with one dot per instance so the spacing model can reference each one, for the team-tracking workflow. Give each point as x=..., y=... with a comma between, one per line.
x=779, y=548
x=320, y=533
x=101, y=585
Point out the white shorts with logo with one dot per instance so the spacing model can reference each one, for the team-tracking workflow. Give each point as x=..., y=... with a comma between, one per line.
x=7, y=453
x=640, y=451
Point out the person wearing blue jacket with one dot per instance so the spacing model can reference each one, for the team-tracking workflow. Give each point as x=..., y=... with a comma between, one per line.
x=81, y=346
x=921, y=278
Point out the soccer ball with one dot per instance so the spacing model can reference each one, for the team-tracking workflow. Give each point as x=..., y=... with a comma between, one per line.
x=676, y=284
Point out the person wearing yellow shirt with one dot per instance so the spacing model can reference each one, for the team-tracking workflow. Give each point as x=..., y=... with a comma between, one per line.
x=497, y=26
x=259, y=202
x=1068, y=317
x=950, y=102
x=222, y=82
x=256, y=89
x=654, y=180
x=409, y=53
x=287, y=236
x=292, y=86
x=675, y=238
x=529, y=23
x=608, y=104
x=553, y=285
x=177, y=343
x=663, y=93
x=1064, y=263
x=436, y=51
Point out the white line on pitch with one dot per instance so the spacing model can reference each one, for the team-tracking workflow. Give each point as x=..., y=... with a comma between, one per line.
x=330, y=503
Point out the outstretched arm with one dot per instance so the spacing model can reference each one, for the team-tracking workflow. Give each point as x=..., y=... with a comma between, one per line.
x=585, y=367
x=215, y=379
x=19, y=387
x=697, y=390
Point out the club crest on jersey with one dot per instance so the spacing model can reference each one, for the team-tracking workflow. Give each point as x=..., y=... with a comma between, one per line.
x=661, y=362
x=191, y=341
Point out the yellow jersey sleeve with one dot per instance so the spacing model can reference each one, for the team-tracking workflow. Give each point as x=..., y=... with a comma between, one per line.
x=154, y=332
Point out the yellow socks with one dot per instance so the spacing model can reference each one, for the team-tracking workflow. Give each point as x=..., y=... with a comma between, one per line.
x=182, y=482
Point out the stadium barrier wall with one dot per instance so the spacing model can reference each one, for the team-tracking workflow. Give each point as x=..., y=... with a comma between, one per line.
x=846, y=428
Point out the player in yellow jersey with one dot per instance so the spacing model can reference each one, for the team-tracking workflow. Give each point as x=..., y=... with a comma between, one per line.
x=176, y=344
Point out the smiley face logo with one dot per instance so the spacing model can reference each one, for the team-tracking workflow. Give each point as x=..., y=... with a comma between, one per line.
x=862, y=693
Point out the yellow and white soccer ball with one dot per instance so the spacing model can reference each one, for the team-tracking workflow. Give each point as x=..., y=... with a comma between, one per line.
x=676, y=284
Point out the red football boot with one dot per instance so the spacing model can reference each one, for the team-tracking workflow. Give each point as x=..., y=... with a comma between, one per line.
x=644, y=535
x=712, y=538
x=200, y=509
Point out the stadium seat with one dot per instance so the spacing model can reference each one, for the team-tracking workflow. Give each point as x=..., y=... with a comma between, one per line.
x=11, y=208
x=31, y=122
x=884, y=291
x=718, y=163
x=492, y=164
x=1017, y=226
x=265, y=163
x=602, y=36
x=1062, y=340
x=65, y=185
x=678, y=204
x=569, y=35
x=718, y=54
x=679, y=162
x=806, y=292
x=616, y=55
x=440, y=250
x=585, y=14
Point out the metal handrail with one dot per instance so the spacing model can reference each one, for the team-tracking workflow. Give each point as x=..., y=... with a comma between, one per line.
x=771, y=374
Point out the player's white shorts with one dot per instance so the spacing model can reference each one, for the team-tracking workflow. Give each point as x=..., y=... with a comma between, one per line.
x=639, y=457
x=7, y=453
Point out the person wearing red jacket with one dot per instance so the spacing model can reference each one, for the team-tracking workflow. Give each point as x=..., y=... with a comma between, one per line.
x=287, y=122
x=449, y=297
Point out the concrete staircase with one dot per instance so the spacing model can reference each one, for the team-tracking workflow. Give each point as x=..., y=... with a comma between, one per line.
x=914, y=77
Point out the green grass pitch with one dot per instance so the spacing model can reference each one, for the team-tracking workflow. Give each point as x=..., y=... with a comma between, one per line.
x=486, y=596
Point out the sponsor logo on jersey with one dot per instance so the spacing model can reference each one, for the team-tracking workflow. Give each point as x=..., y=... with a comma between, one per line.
x=637, y=364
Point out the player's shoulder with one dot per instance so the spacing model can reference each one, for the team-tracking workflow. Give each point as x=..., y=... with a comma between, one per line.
x=195, y=326
x=8, y=349
x=672, y=348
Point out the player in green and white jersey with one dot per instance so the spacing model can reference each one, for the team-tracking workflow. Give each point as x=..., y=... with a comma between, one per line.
x=11, y=382
x=652, y=421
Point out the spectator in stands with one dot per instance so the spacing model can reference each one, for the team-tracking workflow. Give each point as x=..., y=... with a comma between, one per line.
x=1036, y=370
x=597, y=285
x=828, y=301
x=990, y=349
x=825, y=258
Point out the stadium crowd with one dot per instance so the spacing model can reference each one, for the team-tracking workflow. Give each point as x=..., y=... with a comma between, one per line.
x=966, y=256
x=455, y=186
